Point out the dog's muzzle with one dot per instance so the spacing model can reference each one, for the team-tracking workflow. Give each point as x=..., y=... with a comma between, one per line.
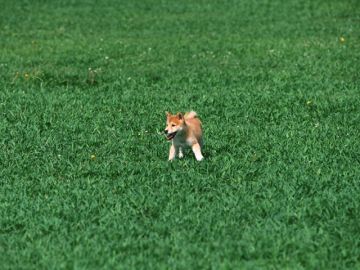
x=170, y=136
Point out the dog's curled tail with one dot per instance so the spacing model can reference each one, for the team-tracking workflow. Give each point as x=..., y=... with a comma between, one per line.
x=190, y=115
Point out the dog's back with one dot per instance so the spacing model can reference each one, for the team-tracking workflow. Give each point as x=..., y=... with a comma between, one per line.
x=194, y=124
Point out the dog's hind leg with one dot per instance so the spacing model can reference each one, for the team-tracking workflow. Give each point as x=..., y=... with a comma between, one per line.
x=197, y=151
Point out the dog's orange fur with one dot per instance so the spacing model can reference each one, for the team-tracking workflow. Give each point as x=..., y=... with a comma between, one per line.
x=184, y=130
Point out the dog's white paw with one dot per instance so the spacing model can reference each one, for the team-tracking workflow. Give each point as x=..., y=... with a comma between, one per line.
x=199, y=158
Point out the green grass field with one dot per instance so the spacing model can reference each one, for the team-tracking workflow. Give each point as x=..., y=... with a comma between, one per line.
x=85, y=182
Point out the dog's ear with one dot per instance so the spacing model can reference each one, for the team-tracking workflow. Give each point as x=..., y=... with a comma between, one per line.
x=167, y=114
x=180, y=115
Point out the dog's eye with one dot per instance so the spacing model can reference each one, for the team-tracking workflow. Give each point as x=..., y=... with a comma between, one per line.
x=173, y=125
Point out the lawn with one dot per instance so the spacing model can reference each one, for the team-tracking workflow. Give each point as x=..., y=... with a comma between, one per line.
x=84, y=177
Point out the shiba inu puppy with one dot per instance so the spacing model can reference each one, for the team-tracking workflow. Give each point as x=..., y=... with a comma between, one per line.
x=184, y=130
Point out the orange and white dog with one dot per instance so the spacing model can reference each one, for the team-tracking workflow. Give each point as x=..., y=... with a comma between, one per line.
x=184, y=130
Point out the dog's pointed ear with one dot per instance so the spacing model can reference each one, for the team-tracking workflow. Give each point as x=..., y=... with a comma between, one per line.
x=180, y=115
x=167, y=114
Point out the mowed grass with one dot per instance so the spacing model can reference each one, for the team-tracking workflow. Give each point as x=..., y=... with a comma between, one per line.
x=85, y=182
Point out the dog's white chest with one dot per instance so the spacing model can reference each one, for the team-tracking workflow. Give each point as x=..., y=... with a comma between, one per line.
x=181, y=141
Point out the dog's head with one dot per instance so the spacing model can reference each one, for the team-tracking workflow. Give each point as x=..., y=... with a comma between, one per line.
x=174, y=124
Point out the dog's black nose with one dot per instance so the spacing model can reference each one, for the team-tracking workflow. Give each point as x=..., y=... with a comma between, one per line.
x=165, y=131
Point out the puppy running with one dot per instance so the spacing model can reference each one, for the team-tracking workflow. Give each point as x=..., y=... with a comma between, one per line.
x=184, y=130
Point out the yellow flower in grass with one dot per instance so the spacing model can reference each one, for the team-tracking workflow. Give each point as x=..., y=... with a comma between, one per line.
x=342, y=39
x=92, y=157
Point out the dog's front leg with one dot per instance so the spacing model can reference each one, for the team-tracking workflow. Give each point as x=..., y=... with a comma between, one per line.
x=181, y=154
x=197, y=151
x=172, y=152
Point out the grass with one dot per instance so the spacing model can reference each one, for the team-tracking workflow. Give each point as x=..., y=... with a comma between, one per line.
x=85, y=182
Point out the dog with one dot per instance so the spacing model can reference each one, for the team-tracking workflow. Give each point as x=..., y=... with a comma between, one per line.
x=184, y=130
